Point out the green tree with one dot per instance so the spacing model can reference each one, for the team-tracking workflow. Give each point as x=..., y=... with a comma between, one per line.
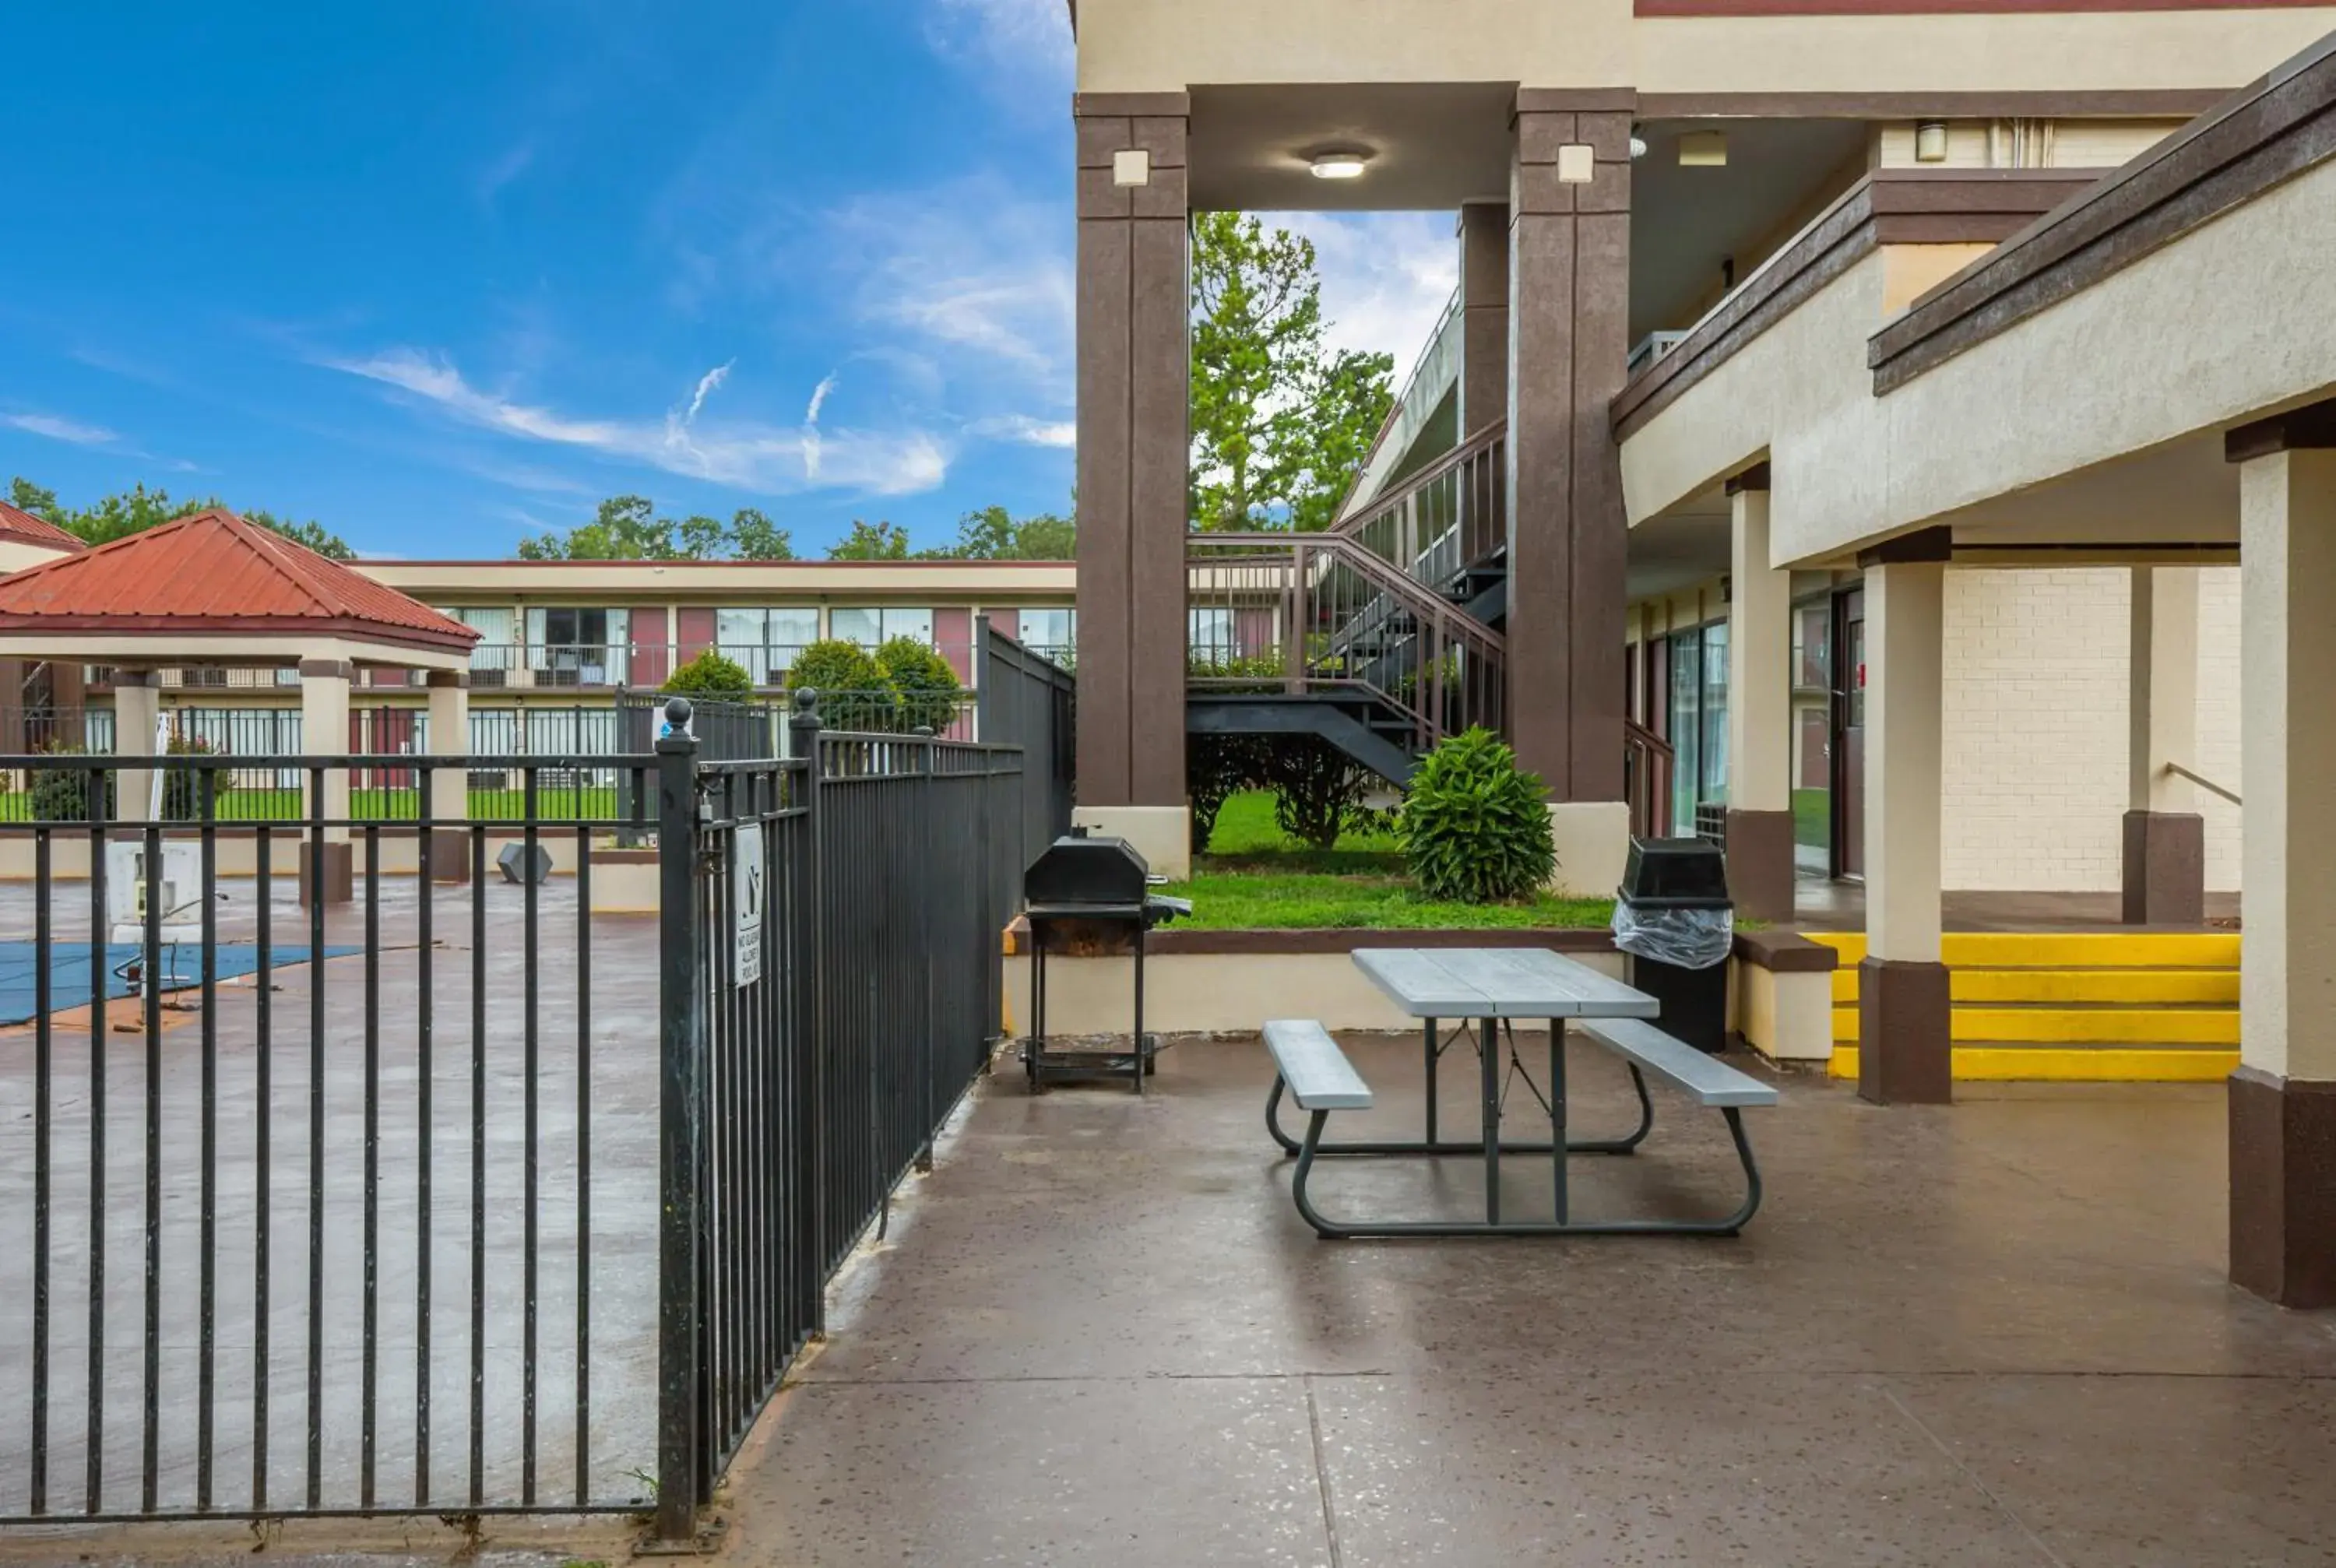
x=119, y=516
x=871, y=542
x=627, y=528
x=711, y=675
x=926, y=685
x=1281, y=421
x=993, y=533
x=26, y=496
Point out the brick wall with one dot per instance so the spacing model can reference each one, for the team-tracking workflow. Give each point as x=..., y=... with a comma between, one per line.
x=2034, y=714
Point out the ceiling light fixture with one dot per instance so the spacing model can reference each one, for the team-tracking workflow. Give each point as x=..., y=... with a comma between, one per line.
x=1341, y=165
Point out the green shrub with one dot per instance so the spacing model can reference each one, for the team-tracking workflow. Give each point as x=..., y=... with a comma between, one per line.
x=711, y=675
x=182, y=787
x=1316, y=788
x=854, y=693
x=1217, y=767
x=1476, y=826
x=924, y=682
x=61, y=794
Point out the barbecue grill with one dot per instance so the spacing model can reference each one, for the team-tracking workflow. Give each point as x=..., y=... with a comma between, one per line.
x=1088, y=892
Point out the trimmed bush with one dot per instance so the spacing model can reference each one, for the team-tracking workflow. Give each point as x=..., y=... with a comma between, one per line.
x=182, y=787
x=1476, y=826
x=711, y=675
x=61, y=794
x=854, y=693
x=926, y=685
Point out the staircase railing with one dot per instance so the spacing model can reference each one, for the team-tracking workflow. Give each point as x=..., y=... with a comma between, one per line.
x=1449, y=516
x=1319, y=614
x=1647, y=763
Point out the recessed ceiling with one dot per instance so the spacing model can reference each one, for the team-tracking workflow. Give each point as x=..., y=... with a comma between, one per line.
x=1433, y=146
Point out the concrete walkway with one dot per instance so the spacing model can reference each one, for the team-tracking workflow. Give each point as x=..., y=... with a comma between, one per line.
x=1993, y=1333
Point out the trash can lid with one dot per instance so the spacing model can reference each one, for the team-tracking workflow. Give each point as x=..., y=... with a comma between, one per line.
x=1675, y=873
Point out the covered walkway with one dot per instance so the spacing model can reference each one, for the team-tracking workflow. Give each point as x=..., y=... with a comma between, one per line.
x=1995, y=1333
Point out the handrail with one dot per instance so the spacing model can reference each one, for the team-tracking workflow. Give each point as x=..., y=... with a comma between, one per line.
x=1444, y=319
x=1481, y=442
x=2209, y=785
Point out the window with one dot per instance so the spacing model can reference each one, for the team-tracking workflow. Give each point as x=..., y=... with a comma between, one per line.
x=1209, y=634
x=872, y=625
x=493, y=652
x=1051, y=632
x=1698, y=722
x=578, y=646
x=764, y=641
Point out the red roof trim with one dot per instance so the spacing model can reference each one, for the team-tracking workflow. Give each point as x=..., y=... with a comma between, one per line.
x=17, y=523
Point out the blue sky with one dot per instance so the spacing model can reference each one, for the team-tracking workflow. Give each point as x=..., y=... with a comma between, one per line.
x=443, y=275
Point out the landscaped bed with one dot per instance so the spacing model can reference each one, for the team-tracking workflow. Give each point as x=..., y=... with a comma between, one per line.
x=1254, y=877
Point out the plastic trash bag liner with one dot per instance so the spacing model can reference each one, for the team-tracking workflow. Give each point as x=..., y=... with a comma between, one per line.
x=1690, y=939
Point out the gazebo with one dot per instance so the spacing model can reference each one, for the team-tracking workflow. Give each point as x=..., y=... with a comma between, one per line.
x=214, y=591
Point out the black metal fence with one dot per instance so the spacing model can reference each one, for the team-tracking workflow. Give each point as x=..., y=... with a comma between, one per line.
x=305, y=1197
x=813, y=1039
x=386, y=1205
x=1028, y=701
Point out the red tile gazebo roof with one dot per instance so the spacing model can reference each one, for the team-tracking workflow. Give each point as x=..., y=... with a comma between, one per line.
x=211, y=574
x=21, y=525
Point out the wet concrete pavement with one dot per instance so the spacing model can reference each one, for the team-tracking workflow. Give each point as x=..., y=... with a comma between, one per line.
x=1998, y=1332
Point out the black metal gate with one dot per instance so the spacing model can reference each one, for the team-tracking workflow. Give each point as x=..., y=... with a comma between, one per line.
x=1028, y=701
x=811, y=1050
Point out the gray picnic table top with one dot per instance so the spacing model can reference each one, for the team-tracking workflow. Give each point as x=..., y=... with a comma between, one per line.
x=1498, y=983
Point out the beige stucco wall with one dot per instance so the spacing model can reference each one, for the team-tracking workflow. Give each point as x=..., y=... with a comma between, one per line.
x=1157, y=46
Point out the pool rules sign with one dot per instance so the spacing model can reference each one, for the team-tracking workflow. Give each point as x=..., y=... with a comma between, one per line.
x=747, y=892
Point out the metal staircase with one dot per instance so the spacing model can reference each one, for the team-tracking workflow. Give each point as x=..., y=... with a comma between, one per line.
x=1314, y=633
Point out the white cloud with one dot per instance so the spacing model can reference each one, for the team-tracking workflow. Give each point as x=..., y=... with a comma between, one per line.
x=1387, y=277
x=745, y=453
x=506, y=166
x=1029, y=431
x=60, y=429
x=971, y=271
x=1031, y=35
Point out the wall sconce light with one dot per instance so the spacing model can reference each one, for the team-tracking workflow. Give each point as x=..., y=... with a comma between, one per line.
x=1929, y=141
x=1342, y=164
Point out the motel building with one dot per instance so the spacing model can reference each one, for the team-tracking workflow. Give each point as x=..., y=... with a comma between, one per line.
x=1897, y=442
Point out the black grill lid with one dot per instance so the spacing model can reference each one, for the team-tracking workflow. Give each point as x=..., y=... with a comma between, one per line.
x=1080, y=870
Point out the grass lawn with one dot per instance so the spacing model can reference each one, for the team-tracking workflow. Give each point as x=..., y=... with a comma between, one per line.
x=1254, y=877
x=1812, y=816
x=592, y=803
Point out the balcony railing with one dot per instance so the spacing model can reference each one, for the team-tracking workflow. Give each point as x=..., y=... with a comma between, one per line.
x=1449, y=517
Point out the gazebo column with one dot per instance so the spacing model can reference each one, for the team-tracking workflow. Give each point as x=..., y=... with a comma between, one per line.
x=448, y=851
x=325, y=732
x=137, y=703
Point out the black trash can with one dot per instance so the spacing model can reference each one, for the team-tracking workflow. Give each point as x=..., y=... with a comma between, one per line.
x=1673, y=917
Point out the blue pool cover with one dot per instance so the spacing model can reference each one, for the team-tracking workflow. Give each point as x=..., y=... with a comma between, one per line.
x=182, y=970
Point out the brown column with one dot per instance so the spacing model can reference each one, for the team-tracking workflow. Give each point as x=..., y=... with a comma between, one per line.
x=1483, y=315
x=1134, y=408
x=1568, y=321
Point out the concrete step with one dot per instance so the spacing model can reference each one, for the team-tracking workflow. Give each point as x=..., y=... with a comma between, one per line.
x=2101, y=1026
x=2006, y=1062
x=2121, y=986
x=2066, y=950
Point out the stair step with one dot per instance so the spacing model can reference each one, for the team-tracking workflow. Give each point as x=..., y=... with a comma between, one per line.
x=2002, y=1062
x=2078, y=1026
x=2067, y=950
x=2112, y=987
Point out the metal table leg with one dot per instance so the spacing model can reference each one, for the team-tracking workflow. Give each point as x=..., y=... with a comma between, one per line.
x=1428, y=1031
x=1557, y=1111
x=1488, y=1031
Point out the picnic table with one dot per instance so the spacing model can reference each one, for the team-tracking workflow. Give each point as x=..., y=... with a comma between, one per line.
x=1489, y=987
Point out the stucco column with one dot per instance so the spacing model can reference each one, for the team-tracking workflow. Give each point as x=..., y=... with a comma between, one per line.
x=2282, y=1098
x=1569, y=320
x=1904, y=1052
x=1483, y=315
x=450, y=799
x=137, y=703
x=325, y=732
x=2164, y=839
x=1759, y=710
x=1134, y=419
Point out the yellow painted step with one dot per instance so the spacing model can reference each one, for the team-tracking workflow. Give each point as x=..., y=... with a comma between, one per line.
x=2129, y=988
x=2046, y=1064
x=2079, y=1026
x=2067, y=950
